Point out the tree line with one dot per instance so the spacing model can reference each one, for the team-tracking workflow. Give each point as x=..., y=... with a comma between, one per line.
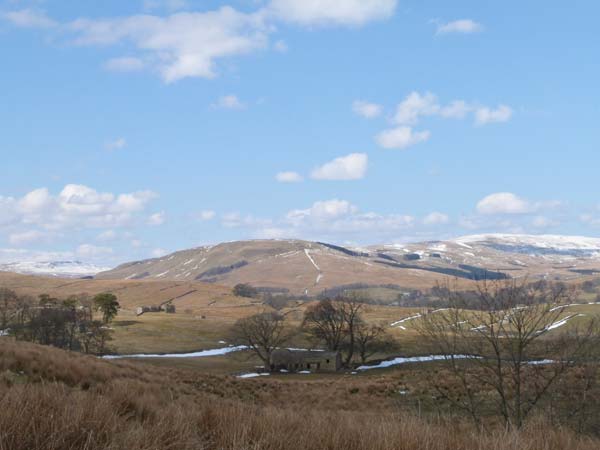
x=64, y=323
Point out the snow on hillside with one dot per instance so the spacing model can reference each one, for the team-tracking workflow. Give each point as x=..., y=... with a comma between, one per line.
x=66, y=269
x=536, y=244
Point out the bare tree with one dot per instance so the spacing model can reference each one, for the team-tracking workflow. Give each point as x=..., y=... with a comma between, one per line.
x=334, y=323
x=512, y=358
x=8, y=307
x=372, y=339
x=262, y=333
x=326, y=322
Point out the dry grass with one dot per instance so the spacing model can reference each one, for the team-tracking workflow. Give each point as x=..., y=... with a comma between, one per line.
x=53, y=400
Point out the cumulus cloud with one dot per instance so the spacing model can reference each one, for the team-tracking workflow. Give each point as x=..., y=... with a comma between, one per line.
x=76, y=206
x=325, y=219
x=417, y=105
x=366, y=109
x=462, y=26
x=503, y=203
x=436, y=218
x=340, y=217
x=29, y=18
x=206, y=215
x=486, y=115
x=229, y=102
x=180, y=45
x=401, y=137
x=349, y=167
x=289, y=177
x=332, y=12
x=159, y=252
x=192, y=44
x=323, y=210
x=414, y=106
x=157, y=219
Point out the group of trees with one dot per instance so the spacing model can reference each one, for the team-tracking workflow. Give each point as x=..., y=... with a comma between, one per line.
x=65, y=323
x=511, y=355
x=337, y=324
x=334, y=324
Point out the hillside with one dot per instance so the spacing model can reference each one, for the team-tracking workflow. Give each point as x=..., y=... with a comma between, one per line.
x=303, y=267
x=186, y=295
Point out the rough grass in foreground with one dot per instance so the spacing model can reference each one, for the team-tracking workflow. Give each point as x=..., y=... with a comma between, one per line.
x=54, y=400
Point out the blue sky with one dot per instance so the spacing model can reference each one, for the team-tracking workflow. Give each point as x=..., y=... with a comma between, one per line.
x=130, y=129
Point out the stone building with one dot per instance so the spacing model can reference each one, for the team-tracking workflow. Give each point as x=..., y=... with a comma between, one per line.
x=300, y=360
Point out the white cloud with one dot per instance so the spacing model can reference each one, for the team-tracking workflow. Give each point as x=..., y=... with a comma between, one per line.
x=90, y=251
x=157, y=219
x=414, y=106
x=323, y=210
x=401, y=137
x=108, y=235
x=457, y=109
x=487, y=115
x=26, y=237
x=29, y=18
x=332, y=12
x=159, y=252
x=183, y=44
x=229, y=102
x=206, y=215
x=117, y=144
x=125, y=64
x=289, y=177
x=336, y=218
x=191, y=44
x=366, y=109
x=417, y=105
x=436, y=218
x=464, y=26
x=349, y=167
x=503, y=203
x=76, y=206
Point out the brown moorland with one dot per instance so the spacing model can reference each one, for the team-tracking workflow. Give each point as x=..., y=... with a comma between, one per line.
x=54, y=400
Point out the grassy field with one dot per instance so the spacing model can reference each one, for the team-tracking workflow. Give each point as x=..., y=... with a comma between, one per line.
x=56, y=400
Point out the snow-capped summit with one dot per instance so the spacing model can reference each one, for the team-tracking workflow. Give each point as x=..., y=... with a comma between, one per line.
x=536, y=244
x=64, y=269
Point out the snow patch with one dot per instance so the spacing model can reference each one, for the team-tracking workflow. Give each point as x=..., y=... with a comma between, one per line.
x=200, y=354
x=413, y=359
x=405, y=320
x=253, y=375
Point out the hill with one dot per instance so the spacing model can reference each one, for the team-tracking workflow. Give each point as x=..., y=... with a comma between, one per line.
x=131, y=293
x=303, y=267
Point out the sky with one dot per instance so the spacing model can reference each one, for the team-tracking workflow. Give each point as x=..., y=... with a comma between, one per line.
x=133, y=129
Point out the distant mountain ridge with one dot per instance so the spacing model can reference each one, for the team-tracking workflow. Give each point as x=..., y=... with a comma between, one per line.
x=306, y=267
x=64, y=269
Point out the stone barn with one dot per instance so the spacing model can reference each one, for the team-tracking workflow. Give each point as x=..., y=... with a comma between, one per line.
x=299, y=360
